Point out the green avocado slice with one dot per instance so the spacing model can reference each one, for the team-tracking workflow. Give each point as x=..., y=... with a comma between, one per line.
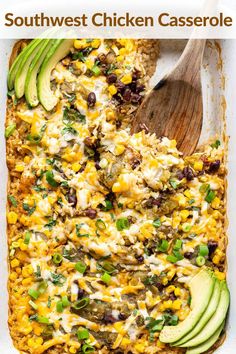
x=31, y=93
x=16, y=64
x=19, y=83
x=207, y=315
x=202, y=348
x=201, y=288
x=57, y=52
x=215, y=321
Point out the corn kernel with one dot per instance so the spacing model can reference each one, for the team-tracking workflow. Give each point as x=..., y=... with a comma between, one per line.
x=120, y=58
x=96, y=43
x=187, y=193
x=26, y=329
x=216, y=259
x=140, y=347
x=220, y=275
x=165, y=281
x=122, y=51
x=171, y=274
x=19, y=168
x=118, y=72
x=160, y=344
x=215, y=203
x=198, y=165
x=177, y=292
x=23, y=246
x=13, y=276
x=26, y=281
x=184, y=214
x=27, y=159
x=39, y=341
x=12, y=217
x=170, y=289
x=176, y=305
x=15, y=263
x=112, y=89
x=119, y=149
x=73, y=350
x=125, y=342
x=76, y=167
x=126, y=79
x=24, y=220
x=167, y=304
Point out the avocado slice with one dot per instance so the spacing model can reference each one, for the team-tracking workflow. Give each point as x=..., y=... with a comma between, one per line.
x=207, y=315
x=215, y=321
x=201, y=288
x=31, y=93
x=57, y=52
x=19, y=83
x=202, y=348
x=16, y=64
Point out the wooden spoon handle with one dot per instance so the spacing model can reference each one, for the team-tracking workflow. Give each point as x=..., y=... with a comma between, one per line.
x=188, y=67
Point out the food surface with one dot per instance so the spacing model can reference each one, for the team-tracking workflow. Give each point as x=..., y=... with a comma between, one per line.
x=110, y=234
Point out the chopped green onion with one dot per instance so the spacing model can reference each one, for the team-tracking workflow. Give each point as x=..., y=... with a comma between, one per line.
x=171, y=258
x=12, y=200
x=10, y=130
x=83, y=334
x=108, y=205
x=87, y=348
x=186, y=227
x=107, y=267
x=122, y=224
x=59, y=306
x=200, y=261
x=65, y=301
x=210, y=196
x=157, y=223
x=33, y=305
x=191, y=201
x=178, y=245
x=27, y=237
x=81, y=303
x=100, y=224
x=57, y=258
x=174, y=184
x=203, y=250
x=170, y=320
x=50, y=179
x=34, y=293
x=96, y=70
x=42, y=319
x=216, y=144
x=42, y=287
x=80, y=267
x=106, y=278
x=58, y=279
x=204, y=188
x=163, y=247
x=78, y=227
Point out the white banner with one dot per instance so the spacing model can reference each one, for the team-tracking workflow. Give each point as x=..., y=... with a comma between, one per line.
x=119, y=18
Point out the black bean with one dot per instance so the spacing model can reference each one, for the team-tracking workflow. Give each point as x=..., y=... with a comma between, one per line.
x=140, y=88
x=153, y=202
x=122, y=316
x=80, y=293
x=140, y=259
x=91, y=100
x=172, y=296
x=136, y=75
x=127, y=94
x=188, y=173
x=159, y=286
x=111, y=78
x=212, y=246
x=120, y=86
x=214, y=166
x=72, y=199
x=189, y=255
x=90, y=142
x=135, y=163
x=91, y=213
x=135, y=98
x=109, y=318
x=179, y=175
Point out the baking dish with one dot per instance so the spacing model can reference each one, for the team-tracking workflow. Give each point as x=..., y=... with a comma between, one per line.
x=213, y=82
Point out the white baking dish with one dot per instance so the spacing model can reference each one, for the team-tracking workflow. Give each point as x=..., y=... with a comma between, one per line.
x=213, y=84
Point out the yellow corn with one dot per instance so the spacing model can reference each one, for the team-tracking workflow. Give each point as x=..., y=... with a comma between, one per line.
x=198, y=165
x=26, y=159
x=171, y=274
x=167, y=304
x=170, y=289
x=119, y=149
x=112, y=89
x=76, y=167
x=15, y=263
x=12, y=217
x=165, y=281
x=122, y=51
x=120, y=58
x=220, y=275
x=19, y=168
x=177, y=292
x=176, y=305
x=24, y=220
x=184, y=214
x=126, y=79
x=215, y=203
x=73, y=350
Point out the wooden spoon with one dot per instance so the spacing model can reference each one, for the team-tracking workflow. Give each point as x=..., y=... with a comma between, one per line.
x=174, y=106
